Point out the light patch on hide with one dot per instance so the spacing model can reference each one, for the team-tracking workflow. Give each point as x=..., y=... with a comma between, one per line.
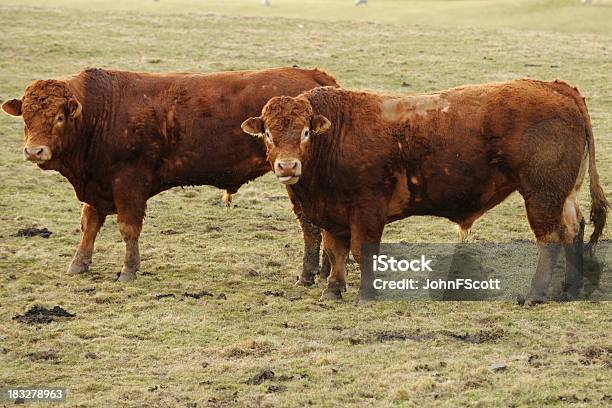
x=571, y=217
x=582, y=170
x=227, y=199
x=128, y=231
x=463, y=233
x=399, y=109
x=551, y=238
x=170, y=117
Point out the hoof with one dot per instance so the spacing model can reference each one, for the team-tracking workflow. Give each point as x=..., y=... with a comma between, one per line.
x=331, y=294
x=533, y=300
x=76, y=268
x=568, y=296
x=127, y=275
x=365, y=298
x=302, y=281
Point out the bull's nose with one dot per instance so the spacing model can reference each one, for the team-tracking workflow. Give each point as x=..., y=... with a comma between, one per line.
x=37, y=153
x=287, y=164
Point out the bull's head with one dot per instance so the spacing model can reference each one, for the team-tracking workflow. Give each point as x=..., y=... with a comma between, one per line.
x=287, y=126
x=49, y=110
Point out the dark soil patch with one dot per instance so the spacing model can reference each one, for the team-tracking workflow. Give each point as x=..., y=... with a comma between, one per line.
x=165, y=295
x=275, y=293
x=48, y=355
x=276, y=388
x=394, y=336
x=353, y=341
x=566, y=399
x=475, y=338
x=595, y=354
x=198, y=295
x=87, y=290
x=39, y=314
x=33, y=232
x=265, y=375
x=466, y=337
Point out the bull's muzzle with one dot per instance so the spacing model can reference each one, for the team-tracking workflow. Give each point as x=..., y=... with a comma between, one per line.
x=37, y=154
x=288, y=171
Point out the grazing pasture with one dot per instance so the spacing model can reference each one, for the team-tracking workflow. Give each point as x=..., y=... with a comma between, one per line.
x=213, y=318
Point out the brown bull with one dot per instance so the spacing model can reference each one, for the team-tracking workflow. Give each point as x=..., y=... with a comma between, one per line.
x=357, y=161
x=123, y=137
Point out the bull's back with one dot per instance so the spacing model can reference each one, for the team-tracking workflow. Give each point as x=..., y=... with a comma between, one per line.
x=188, y=125
x=222, y=154
x=485, y=140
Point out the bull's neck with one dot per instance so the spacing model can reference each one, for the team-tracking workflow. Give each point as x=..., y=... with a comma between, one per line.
x=318, y=174
x=93, y=89
x=73, y=162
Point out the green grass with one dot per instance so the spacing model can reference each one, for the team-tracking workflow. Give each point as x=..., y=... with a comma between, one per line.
x=182, y=351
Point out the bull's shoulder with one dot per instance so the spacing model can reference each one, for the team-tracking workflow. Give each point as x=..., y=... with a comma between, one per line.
x=155, y=123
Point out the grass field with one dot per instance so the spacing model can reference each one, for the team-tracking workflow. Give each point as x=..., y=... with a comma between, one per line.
x=129, y=347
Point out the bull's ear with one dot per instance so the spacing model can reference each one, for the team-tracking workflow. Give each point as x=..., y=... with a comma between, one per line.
x=253, y=126
x=12, y=107
x=319, y=124
x=75, y=108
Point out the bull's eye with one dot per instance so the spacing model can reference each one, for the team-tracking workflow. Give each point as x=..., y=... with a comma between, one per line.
x=269, y=138
x=305, y=135
x=60, y=118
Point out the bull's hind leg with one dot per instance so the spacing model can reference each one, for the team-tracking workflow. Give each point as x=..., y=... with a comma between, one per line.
x=91, y=222
x=337, y=249
x=573, y=231
x=556, y=224
x=544, y=217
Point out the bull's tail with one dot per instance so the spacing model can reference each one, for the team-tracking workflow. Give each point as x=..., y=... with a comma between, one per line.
x=599, y=203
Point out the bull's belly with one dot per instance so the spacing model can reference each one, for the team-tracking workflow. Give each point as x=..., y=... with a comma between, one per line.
x=227, y=179
x=460, y=200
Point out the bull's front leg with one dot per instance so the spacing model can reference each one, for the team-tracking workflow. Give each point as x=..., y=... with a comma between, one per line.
x=130, y=194
x=312, y=245
x=91, y=222
x=336, y=247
